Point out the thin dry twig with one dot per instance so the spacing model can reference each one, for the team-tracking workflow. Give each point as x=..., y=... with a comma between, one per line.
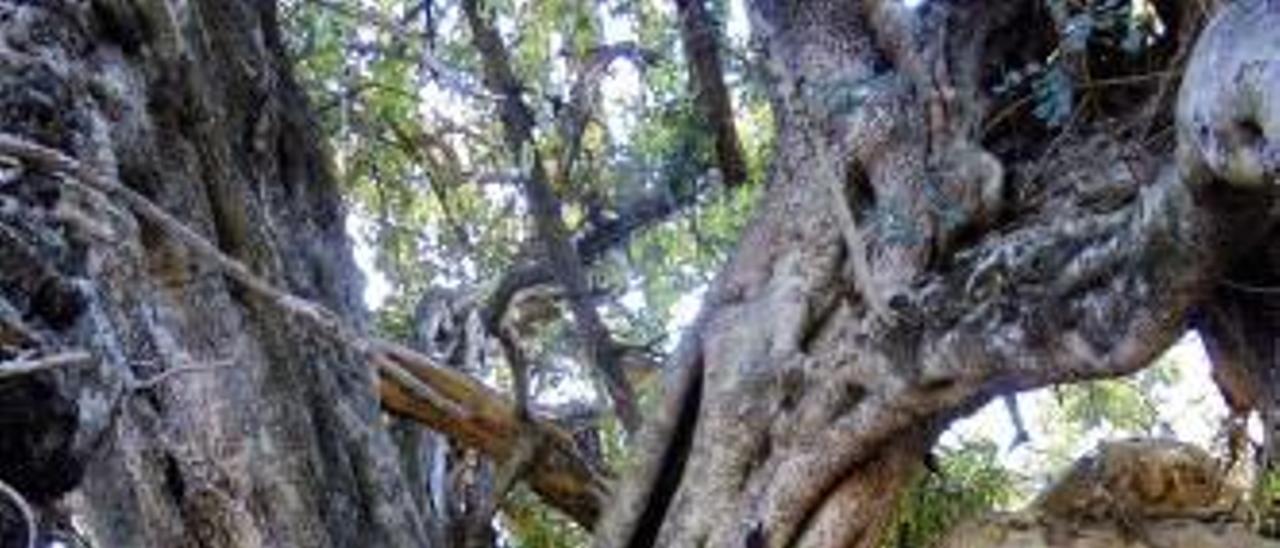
x=1012, y=107
x=23, y=508
x=26, y=366
x=158, y=378
x=1248, y=288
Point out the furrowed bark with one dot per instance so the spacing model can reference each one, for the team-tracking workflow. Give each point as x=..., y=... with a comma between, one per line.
x=191, y=106
x=811, y=409
x=144, y=291
x=411, y=384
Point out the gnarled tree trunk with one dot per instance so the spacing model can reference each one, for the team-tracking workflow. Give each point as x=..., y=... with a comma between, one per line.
x=912, y=258
x=266, y=434
x=900, y=273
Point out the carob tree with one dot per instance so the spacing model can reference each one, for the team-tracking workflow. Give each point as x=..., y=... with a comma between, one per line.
x=919, y=251
x=923, y=246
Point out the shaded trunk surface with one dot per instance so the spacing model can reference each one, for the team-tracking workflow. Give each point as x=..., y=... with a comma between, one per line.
x=270, y=435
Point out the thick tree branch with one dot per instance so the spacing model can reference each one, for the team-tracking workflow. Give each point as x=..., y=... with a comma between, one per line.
x=699, y=36
x=1092, y=278
x=561, y=257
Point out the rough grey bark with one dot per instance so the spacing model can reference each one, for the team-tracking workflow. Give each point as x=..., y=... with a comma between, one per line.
x=831, y=352
x=1238, y=132
x=860, y=315
x=271, y=436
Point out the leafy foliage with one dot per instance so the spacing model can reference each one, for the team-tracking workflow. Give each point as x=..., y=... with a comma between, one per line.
x=533, y=525
x=969, y=482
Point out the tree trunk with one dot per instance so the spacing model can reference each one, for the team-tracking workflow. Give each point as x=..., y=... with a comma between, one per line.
x=899, y=274
x=266, y=434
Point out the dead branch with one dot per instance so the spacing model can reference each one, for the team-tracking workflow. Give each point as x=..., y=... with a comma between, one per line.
x=26, y=366
x=160, y=378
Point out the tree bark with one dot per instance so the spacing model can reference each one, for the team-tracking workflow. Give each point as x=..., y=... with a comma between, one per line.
x=859, y=316
x=699, y=36
x=269, y=436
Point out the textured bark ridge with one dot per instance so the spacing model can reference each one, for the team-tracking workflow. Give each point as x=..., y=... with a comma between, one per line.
x=266, y=436
x=861, y=313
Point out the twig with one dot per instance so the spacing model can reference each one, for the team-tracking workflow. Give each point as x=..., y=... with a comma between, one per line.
x=1128, y=80
x=23, y=508
x=1131, y=79
x=157, y=379
x=1246, y=288
x=24, y=366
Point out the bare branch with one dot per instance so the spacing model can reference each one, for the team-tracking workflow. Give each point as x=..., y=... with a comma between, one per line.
x=573, y=122
x=562, y=258
x=26, y=366
x=1020, y=435
x=159, y=378
x=23, y=508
